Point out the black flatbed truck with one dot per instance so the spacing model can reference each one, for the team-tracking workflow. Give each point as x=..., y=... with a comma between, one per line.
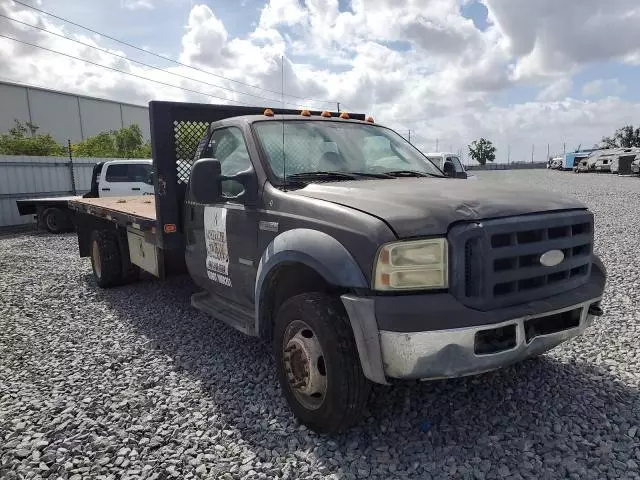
x=356, y=270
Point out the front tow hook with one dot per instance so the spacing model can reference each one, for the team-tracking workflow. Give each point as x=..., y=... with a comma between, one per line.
x=595, y=310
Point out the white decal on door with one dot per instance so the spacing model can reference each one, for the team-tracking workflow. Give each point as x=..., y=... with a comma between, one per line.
x=215, y=235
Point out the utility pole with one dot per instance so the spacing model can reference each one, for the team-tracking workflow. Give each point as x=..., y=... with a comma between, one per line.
x=508, y=154
x=564, y=148
x=409, y=135
x=338, y=107
x=436, y=144
x=73, y=178
x=532, y=150
x=547, y=152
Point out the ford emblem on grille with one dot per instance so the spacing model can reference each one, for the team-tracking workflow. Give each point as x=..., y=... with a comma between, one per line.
x=552, y=258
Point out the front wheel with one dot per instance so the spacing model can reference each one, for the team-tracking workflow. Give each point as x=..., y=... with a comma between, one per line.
x=318, y=365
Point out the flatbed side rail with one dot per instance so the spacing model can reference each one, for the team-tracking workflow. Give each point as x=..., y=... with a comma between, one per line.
x=121, y=218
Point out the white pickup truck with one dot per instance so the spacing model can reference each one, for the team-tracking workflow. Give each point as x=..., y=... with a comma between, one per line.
x=109, y=179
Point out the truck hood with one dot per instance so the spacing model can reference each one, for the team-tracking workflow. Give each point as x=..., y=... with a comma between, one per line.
x=428, y=206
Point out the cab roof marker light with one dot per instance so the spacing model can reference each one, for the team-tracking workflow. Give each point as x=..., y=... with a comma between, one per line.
x=344, y=115
x=325, y=114
x=370, y=119
x=305, y=113
x=268, y=112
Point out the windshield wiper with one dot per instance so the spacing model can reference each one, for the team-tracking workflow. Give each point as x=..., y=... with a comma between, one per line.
x=335, y=175
x=410, y=173
x=322, y=175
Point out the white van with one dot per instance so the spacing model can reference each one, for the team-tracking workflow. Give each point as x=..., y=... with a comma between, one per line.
x=449, y=163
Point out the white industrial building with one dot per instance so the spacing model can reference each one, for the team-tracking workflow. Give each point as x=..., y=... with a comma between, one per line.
x=66, y=116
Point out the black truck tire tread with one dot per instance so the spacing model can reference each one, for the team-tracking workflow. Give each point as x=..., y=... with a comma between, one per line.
x=63, y=223
x=110, y=261
x=348, y=389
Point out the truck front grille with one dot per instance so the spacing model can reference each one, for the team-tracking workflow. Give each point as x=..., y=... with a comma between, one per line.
x=501, y=262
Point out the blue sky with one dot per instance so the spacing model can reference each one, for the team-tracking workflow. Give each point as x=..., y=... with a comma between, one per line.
x=515, y=71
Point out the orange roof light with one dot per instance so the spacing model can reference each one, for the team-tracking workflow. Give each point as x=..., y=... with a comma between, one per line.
x=305, y=113
x=344, y=115
x=370, y=119
x=268, y=112
x=170, y=228
x=325, y=114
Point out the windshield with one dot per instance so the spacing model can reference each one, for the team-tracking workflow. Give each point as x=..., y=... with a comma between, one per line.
x=325, y=146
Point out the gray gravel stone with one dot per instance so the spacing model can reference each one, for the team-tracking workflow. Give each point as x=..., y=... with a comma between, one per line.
x=133, y=383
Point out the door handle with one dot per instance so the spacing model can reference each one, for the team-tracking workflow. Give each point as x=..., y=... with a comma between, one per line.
x=105, y=189
x=135, y=188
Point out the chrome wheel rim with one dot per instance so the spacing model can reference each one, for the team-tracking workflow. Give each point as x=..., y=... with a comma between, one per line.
x=304, y=365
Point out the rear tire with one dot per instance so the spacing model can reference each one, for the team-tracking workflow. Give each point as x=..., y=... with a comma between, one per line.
x=318, y=364
x=105, y=258
x=55, y=221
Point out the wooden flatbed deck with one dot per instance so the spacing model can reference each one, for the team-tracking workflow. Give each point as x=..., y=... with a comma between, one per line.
x=125, y=210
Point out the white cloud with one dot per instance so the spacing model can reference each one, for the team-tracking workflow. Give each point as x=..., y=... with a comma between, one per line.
x=551, y=37
x=205, y=41
x=556, y=90
x=281, y=12
x=443, y=83
x=137, y=4
x=611, y=86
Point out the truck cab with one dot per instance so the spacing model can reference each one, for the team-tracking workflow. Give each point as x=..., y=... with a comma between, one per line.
x=118, y=178
x=346, y=249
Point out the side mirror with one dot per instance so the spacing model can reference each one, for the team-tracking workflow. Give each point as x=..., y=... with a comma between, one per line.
x=206, y=181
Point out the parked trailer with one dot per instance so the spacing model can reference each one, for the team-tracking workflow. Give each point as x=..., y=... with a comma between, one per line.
x=356, y=267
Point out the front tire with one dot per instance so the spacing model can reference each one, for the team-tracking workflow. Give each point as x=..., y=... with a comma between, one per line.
x=318, y=364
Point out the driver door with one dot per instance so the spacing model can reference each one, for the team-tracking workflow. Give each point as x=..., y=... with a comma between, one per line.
x=222, y=238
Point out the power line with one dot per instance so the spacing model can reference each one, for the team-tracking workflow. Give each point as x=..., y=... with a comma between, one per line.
x=162, y=56
x=123, y=72
x=104, y=50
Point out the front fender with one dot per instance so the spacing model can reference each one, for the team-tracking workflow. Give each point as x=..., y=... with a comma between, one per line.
x=315, y=249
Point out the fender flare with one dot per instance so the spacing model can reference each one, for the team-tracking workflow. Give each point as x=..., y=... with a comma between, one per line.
x=312, y=248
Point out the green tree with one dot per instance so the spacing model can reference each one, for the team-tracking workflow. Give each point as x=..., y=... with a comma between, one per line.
x=23, y=140
x=128, y=140
x=100, y=145
x=123, y=143
x=624, y=137
x=482, y=151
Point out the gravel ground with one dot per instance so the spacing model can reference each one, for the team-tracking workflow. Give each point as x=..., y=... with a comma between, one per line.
x=133, y=383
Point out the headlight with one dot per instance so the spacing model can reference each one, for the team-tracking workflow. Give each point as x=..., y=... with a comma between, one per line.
x=412, y=265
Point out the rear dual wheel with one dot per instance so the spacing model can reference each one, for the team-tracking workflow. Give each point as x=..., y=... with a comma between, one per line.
x=110, y=269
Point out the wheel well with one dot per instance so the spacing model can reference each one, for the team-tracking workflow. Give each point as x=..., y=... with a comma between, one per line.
x=284, y=282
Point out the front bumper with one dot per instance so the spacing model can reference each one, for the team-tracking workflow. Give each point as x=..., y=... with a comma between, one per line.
x=467, y=351
x=433, y=336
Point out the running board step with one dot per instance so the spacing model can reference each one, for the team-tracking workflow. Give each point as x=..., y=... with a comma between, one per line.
x=222, y=309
